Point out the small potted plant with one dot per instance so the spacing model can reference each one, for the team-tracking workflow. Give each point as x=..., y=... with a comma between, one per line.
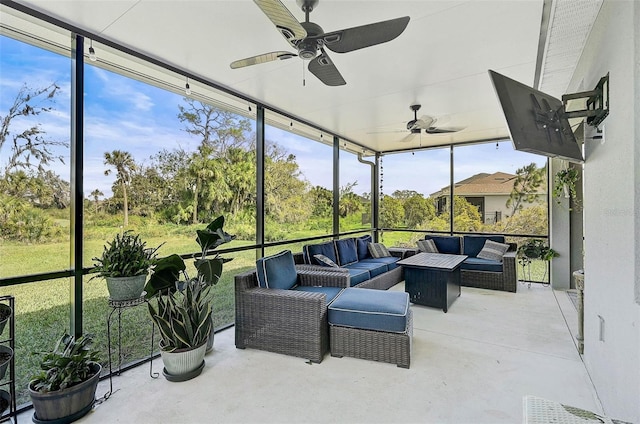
x=65, y=389
x=564, y=185
x=536, y=249
x=125, y=265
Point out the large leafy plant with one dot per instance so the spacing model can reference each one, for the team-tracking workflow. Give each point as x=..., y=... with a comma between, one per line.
x=169, y=272
x=184, y=316
x=125, y=256
x=71, y=362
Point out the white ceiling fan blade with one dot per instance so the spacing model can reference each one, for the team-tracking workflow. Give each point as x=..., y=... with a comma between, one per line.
x=282, y=18
x=424, y=122
x=262, y=58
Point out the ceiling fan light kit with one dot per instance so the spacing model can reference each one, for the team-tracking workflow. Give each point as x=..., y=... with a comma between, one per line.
x=309, y=39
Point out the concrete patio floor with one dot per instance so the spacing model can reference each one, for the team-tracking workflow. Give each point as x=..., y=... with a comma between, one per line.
x=473, y=364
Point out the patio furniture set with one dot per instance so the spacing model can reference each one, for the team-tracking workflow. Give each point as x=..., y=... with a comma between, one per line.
x=333, y=297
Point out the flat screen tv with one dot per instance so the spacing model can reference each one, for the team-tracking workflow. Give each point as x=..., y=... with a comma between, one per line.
x=537, y=121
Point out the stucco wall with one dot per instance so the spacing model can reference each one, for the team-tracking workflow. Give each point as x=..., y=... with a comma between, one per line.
x=611, y=209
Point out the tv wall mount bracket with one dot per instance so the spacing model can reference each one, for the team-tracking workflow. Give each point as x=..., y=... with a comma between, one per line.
x=596, y=102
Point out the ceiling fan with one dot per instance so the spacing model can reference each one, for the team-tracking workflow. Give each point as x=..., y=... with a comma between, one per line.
x=310, y=40
x=426, y=123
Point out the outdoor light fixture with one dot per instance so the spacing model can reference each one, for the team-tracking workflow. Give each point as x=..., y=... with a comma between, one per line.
x=92, y=52
x=187, y=89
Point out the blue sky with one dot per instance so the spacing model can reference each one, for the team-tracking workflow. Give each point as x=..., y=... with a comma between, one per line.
x=121, y=113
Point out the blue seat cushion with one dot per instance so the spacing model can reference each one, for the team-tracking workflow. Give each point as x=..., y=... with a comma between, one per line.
x=358, y=275
x=327, y=249
x=363, y=247
x=277, y=271
x=347, y=251
x=477, y=264
x=374, y=268
x=371, y=310
x=330, y=292
x=390, y=261
x=446, y=244
x=472, y=245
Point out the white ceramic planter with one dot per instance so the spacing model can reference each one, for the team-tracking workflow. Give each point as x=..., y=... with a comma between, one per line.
x=183, y=362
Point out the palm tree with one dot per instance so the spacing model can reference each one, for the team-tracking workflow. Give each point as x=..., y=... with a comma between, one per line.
x=124, y=165
x=96, y=194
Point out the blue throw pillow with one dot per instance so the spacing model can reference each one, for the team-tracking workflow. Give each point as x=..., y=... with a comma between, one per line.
x=363, y=246
x=446, y=244
x=347, y=251
x=327, y=249
x=277, y=271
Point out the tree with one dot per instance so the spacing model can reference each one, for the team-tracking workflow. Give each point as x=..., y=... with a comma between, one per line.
x=532, y=220
x=526, y=187
x=466, y=217
x=285, y=187
x=30, y=142
x=217, y=173
x=124, y=165
x=404, y=194
x=96, y=194
x=418, y=210
x=391, y=212
x=321, y=201
x=350, y=202
x=217, y=128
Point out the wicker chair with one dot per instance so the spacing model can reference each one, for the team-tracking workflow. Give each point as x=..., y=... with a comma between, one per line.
x=506, y=280
x=290, y=322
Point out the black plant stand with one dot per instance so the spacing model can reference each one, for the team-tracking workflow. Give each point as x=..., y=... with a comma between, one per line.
x=118, y=306
x=11, y=412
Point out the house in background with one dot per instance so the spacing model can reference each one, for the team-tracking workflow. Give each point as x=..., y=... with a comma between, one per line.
x=488, y=192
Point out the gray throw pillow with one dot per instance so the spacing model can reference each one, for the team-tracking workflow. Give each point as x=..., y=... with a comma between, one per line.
x=378, y=250
x=427, y=246
x=493, y=251
x=326, y=260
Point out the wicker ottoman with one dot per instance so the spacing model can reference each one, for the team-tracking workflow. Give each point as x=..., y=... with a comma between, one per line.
x=371, y=324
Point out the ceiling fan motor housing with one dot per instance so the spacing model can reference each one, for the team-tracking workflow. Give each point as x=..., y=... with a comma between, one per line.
x=308, y=47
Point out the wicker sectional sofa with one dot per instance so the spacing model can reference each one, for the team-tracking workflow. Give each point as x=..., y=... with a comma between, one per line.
x=283, y=308
x=352, y=255
x=477, y=272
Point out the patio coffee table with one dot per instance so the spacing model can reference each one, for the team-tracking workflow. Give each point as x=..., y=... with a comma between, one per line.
x=432, y=279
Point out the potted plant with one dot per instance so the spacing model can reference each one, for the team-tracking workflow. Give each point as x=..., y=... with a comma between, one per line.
x=5, y=314
x=65, y=389
x=125, y=264
x=166, y=271
x=176, y=291
x=184, y=320
x=564, y=184
x=535, y=249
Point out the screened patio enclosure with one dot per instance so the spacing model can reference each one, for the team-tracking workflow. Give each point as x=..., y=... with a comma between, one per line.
x=286, y=163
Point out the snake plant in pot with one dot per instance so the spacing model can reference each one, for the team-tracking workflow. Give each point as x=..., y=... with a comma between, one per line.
x=184, y=301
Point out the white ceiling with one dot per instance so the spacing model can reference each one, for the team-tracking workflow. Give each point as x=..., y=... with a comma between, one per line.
x=440, y=61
